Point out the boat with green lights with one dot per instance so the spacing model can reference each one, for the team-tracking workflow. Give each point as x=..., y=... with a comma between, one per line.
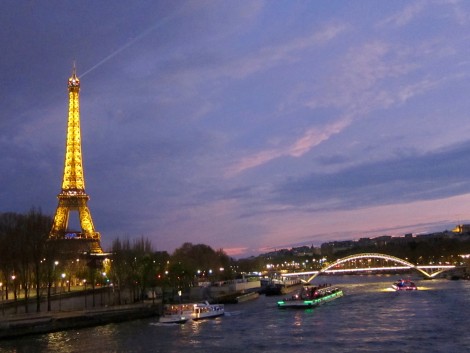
x=311, y=296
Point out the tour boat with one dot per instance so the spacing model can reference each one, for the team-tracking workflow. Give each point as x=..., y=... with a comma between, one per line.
x=173, y=319
x=173, y=314
x=404, y=284
x=311, y=296
x=206, y=311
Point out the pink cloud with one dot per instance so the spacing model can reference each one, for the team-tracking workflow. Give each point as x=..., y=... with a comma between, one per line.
x=311, y=138
x=235, y=251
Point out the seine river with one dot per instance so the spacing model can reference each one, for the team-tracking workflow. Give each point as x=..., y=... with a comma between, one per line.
x=369, y=318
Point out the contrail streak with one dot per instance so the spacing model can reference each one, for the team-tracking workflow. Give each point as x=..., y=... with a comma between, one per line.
x=127, y=45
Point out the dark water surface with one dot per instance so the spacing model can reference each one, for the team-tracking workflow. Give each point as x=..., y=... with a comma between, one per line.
x=369, y=318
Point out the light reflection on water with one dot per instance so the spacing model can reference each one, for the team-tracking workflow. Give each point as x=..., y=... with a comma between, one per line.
x=371, y=317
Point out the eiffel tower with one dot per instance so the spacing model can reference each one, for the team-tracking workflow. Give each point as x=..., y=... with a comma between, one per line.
x=73, y=196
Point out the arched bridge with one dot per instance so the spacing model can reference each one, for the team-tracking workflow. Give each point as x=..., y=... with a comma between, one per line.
x=388, y=263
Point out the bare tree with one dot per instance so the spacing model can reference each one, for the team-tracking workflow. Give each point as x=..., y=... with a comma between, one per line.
x=37, y=232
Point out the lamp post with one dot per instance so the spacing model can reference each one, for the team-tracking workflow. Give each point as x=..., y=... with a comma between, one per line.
x=13, y=277
x=103, y=285
x=61, y=290
x=53, y=276
x=1, y=296
x=51, y=281
x=84, y=284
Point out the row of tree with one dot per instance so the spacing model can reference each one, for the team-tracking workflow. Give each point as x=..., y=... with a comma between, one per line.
x=23, y=252
x=29, y=261
x=138, y=268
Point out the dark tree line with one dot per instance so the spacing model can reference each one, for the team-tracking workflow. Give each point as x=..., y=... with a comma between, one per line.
x=192, y=262
x=23, y=252
x=29, y=262
x=138, y=268
x=134, y=267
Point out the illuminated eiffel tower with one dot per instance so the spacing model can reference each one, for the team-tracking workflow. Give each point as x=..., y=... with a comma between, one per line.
x=73, y=196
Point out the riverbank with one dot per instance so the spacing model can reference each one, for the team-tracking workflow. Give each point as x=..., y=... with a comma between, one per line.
x=39, y=323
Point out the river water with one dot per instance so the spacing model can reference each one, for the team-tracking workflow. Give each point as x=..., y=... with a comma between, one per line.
x=369, y=318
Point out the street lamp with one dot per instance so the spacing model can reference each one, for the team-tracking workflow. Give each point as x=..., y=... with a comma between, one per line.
x=53, y=276
x=13, y=277
x=1, y=296
x=15, y=296
x=61, y=290
x=84, y=284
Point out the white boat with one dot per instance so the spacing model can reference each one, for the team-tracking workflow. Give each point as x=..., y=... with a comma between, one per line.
x=207, y=311
x=173, y=319
x=173, y=314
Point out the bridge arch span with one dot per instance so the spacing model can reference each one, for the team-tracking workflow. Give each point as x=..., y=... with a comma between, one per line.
x=369, y=256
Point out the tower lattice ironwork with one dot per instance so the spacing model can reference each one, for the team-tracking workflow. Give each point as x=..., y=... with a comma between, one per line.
x=73, y=196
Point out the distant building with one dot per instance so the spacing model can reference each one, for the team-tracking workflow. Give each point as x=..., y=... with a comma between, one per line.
x=333, y=247
x=306, y=251
x=461, y=232
x=402, y=240
x=462, y=229
x=364, y=242
x=383, y=240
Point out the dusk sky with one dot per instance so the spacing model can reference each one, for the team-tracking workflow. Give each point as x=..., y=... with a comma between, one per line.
x=244, y=125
